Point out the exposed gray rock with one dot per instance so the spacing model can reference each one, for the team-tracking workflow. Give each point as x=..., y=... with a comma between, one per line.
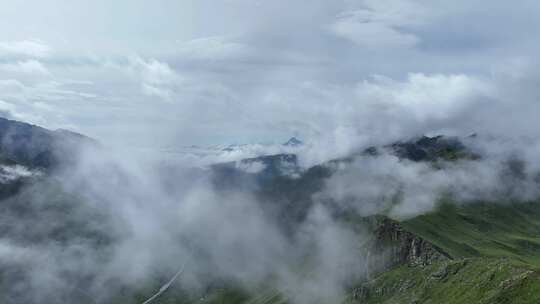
x=399, y=246
x=394, y=246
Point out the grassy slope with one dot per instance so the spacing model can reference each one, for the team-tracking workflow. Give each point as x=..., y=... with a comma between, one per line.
x=496, y=251
x=483, y=229
x=473, y=280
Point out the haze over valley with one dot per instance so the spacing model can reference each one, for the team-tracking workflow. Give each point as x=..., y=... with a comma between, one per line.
x=250, y=152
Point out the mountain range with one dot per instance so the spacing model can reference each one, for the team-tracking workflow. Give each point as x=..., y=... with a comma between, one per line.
x=474, y=252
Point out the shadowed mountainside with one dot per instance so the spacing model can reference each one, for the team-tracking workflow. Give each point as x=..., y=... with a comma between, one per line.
x=37, y=147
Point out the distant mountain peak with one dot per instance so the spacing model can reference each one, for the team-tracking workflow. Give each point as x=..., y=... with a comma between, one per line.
x=36, y=147
x=293, y=142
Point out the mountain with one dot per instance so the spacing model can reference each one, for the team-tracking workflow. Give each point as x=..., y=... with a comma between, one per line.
x=29, y=152
x=293, y=142
x=494, y=252
x=431, y=148
x=37, y=147
x=459, y=252
x=480, y=252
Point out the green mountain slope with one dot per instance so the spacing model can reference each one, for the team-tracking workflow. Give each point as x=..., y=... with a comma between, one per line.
x=460, y=253
x=471, y=280
x=495, y=251
x=509, y=230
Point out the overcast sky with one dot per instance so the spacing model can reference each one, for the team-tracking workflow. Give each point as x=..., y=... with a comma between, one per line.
x=179, y=72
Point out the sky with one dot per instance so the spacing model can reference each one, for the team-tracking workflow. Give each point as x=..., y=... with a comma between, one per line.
x=170, y=73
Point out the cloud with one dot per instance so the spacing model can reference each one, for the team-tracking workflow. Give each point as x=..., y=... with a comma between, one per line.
x=250, y=167
x=11, y=86
x=381, y=24
x=372, y=35
x=7, y=109
x=31, y=67
x=214, y=48
x=11, y=111
x=426, y=97
x=366, y=70
x=157, y=78
x=403, y=189
x=9, y=174
x=342, y=75
x=39, y=101
x=30, y=48
x=130, y=222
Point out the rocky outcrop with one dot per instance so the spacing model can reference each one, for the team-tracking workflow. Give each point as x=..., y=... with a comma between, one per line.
x=393, y=246
x=397, y=246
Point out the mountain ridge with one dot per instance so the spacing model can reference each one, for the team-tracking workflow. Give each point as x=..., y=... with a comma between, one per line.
x=422, y=257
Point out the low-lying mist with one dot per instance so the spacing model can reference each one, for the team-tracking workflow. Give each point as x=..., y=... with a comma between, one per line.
x=112, y=226
x=497, y=170
x=115, y=227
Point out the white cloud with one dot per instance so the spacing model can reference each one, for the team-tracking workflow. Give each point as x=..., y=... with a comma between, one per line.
x=425, y=97
x=380, y=24
x=11, y=173
x=9, y=86
x=403, y=188
x=43, y=102
x=31, y=67
x=7, y=110
x=237, y=73
x=156, y=78
x=372, y=34
x=250, y=167
x=213, y=48
x=31, y=48
x=157, y=91
x=10, y=111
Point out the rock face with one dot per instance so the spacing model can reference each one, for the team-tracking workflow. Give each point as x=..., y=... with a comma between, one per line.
x=393, y=246
x=398, y=246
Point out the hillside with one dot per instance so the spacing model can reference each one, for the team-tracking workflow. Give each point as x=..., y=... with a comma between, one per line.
x=471, y=280
x=37, y=147
x=510, y=230
x=495, y=258
x=475, y=252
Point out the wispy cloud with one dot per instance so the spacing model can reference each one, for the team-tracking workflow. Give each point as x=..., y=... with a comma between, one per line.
x=30, y=48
